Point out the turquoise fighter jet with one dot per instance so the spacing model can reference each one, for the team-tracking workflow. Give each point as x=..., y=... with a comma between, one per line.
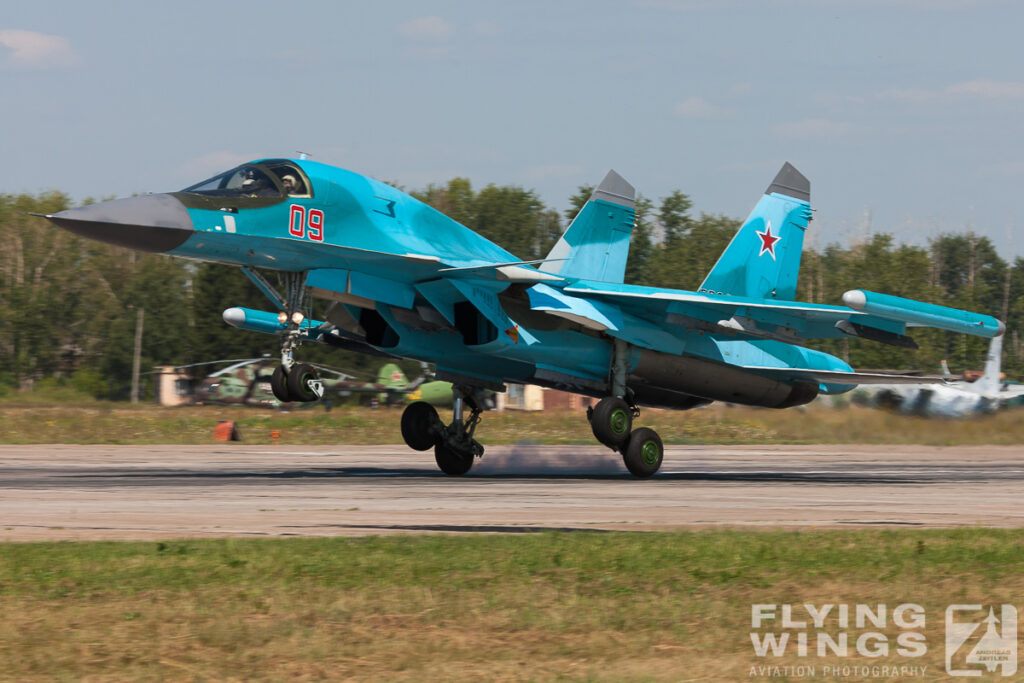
x=404, y=280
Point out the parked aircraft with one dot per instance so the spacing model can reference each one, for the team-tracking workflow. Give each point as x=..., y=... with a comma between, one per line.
x=248, y=382
x=954, y=398
x=405, y=280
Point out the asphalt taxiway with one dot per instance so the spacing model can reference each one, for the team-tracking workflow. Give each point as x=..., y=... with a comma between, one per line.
x=61, y=492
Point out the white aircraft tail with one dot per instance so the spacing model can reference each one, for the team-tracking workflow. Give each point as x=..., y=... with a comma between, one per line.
x=989, y=383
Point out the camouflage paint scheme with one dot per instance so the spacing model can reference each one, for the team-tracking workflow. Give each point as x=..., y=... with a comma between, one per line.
x=248, y=383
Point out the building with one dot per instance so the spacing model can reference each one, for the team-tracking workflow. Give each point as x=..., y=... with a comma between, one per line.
x=529, y=397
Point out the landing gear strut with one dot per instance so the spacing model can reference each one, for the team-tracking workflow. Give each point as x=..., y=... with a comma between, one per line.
x=291, y=381
x=454, y=446
x=612, y=418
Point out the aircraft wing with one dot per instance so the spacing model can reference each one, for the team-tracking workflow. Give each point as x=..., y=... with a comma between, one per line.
x=1008, y=392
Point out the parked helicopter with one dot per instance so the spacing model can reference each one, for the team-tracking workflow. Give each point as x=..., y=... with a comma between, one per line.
x=248, y=382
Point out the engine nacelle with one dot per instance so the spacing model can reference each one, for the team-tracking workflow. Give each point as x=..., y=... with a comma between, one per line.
x=802, y=393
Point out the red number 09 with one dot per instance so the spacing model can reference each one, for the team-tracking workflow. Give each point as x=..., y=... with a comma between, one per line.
x=301, y=224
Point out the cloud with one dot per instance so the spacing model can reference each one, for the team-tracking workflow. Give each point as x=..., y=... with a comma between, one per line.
x=31, y=50
x=979, y=90
x=813, y=129
x=699, y=108
x=427, y=28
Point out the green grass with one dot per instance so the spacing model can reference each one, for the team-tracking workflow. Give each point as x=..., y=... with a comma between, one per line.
x=113, y=423
x=590, y=606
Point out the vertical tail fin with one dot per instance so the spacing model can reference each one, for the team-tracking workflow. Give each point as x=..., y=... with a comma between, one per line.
x=763, y=258
x=390, y=375
x=596, y=244
x=989, y=383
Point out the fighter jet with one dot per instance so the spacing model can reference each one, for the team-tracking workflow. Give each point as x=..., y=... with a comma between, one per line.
x=404, y=280
x=954, y=398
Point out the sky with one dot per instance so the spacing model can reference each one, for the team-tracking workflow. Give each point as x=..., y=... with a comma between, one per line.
x=906, y=115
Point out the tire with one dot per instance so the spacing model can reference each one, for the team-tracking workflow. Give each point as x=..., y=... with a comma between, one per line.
x=644, y=453
x=279, y=385
x=298, y=387
x=418, y=422
x=451, y=462
x=611, y=422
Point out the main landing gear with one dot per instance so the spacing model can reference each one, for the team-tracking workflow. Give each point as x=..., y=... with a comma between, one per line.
x=611, y=420
x=454, y=445
x=612, y=423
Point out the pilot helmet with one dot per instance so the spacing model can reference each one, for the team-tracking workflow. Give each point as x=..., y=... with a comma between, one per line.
x=290, y=182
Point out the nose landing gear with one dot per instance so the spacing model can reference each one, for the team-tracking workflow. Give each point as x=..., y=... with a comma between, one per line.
x=455, y=449
x=291, y=381
x=301, y=383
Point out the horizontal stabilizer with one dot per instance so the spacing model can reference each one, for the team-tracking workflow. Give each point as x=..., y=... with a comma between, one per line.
x=789, y=320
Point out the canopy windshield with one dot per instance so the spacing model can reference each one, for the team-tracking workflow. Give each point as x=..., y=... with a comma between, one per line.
x=273, y=178
x=244, y=181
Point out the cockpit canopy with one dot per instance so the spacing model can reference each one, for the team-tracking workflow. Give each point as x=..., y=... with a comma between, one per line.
x=256, y=184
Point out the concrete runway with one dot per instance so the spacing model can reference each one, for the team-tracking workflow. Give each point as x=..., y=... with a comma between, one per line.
x=144, y=492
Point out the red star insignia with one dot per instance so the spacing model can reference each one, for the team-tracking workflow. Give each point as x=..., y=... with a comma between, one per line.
x=513, y=333
x=768, y=241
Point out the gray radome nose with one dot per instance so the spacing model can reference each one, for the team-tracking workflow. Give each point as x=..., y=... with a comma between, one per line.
x=152, y=222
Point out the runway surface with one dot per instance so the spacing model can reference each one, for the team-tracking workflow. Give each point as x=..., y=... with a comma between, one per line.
x=145, y=492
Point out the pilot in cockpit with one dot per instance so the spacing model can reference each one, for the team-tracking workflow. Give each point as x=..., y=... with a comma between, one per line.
x=257, y=185
x=291, y=185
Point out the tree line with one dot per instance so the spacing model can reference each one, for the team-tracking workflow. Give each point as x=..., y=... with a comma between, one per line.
x=69, y=306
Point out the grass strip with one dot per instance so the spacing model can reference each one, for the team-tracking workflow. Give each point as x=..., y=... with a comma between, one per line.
x=545, y=606
x=110, y=423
